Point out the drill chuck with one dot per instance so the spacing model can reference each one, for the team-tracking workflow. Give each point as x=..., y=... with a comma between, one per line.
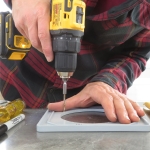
x=66, y=45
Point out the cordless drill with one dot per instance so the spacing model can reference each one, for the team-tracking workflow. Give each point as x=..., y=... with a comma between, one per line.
x=66, y=29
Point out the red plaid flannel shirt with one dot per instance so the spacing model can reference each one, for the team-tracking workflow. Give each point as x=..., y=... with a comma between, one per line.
x=114, y=50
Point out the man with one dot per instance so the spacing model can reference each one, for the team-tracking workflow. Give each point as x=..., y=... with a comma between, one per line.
x=114, y=51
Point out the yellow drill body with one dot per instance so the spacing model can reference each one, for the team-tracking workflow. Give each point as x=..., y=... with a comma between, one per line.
x=64, y=15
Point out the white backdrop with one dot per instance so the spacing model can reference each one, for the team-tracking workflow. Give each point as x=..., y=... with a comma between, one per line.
x=3, y=6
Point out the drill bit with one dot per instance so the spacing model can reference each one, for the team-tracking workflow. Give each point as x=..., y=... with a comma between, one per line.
x=64, y=91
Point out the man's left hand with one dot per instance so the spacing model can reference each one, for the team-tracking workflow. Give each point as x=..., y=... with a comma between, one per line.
x=116, y=105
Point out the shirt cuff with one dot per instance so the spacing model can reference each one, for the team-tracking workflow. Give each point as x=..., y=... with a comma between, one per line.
x=110, y=79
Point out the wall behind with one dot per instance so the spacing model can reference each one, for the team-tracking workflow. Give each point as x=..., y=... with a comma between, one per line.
x=3, y=6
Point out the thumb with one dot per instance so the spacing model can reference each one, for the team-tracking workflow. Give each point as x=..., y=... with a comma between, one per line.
x=68, y=104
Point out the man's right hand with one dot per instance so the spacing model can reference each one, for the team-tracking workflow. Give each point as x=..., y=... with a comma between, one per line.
x=32, y=19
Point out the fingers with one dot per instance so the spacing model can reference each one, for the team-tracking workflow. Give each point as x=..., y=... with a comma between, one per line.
x=132, y=114
x=116, y=105
x=33, y=36
x=121, y=111
x=127, y=110
x=108, y=105
x=34, y=25
x=139, y=110
x=44, y=36
x=58, y=106
x=70, y=103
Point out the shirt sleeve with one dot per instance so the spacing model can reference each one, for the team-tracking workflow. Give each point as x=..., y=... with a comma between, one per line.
x=8, y=3
x=126, y=63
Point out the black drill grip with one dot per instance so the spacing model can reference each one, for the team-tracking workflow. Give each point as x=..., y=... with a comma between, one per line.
x=65, y=62
x=66, y=44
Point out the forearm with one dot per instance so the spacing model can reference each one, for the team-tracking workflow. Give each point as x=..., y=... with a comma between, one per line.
x=119, y=74
x=127, y=63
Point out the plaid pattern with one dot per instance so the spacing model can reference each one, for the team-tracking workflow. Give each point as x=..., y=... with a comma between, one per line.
x=114, y=50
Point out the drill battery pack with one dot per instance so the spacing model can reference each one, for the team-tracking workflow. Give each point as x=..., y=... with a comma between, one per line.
x=13, y=45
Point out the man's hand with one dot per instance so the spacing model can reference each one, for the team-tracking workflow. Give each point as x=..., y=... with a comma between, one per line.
x=116, y=105
x=32, y=18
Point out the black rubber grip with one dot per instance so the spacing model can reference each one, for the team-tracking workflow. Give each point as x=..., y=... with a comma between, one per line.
x=65, y=62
